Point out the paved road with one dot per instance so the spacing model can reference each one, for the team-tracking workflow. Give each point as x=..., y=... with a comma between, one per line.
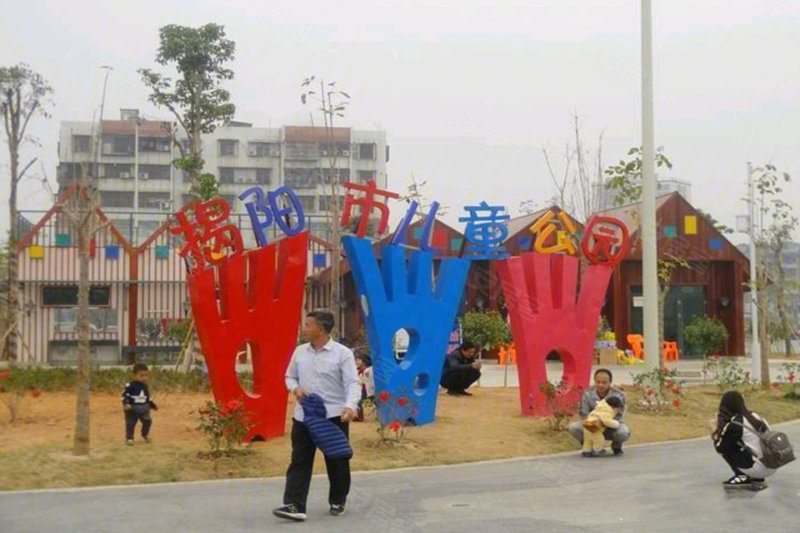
x=657, y=488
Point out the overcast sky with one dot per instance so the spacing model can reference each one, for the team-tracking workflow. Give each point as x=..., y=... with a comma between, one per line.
x=468, y=92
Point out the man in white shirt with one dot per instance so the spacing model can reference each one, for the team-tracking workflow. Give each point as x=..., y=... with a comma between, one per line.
x=324, y=367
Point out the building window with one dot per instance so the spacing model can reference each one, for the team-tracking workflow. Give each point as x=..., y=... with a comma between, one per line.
x=154, y=172
x=367, y=151
x=302, y=178
x=154, y=200
x=226, y=174
x=67, y=296
x=262, y=149
x=264, y=176
x=302, y=150
x=116, y=199
x=118, y=145
x=307, y=202
x=114, y=170
x=153, y=144
x=323, y=203
x=101, y=320
x=365, y=175
x=80, y=144
x=228, y=148
x=342, y=173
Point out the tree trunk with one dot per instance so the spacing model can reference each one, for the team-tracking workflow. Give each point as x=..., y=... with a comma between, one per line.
x=81, y=442
x=783, y=315
x=763, y=322
x=12, y=311
x=662, y=302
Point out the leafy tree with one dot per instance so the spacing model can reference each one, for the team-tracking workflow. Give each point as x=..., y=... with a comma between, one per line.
x=487, y=330
x=332, y=103
x=625, y=177
x=24, y=94
x=196, y=97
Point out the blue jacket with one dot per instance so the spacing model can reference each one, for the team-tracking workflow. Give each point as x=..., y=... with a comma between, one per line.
x=326, y=435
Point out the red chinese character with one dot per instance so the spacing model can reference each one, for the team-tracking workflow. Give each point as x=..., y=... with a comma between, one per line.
x=367, y=203
x=227, y=241
x=605, y=241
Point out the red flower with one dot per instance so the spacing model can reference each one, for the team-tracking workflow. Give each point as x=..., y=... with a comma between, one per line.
x=36, y=393
x=204, y=411
x=402, y=402
x=233, y=405
x=676, y=402
x=776, y=385
x=395, y=426
x=649, y=392
x=414, y=412
x=676, y=389
x=791, y=377
x=384, y=396
x=4, y=374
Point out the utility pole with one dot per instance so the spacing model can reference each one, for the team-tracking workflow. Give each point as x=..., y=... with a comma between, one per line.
x=649, y=243
x=755, y=345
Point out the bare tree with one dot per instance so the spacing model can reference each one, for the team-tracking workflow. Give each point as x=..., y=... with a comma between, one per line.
x=25, y=94
x=561, y=179
x=585, y=197
x=332, y=103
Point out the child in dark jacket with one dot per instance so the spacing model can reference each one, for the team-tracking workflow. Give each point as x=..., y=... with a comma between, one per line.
x=137, y=404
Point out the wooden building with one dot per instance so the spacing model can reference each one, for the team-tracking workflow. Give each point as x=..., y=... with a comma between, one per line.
x=712, y=282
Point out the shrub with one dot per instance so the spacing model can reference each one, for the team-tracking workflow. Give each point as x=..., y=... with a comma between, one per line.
x=226, y=425
x=487, y=330
x=110, y=380
x=396, y=415
x=660, y=390
x=725, y=373
x=790, y=374
x=19, y=390
x=707, y=334
x=562, y=402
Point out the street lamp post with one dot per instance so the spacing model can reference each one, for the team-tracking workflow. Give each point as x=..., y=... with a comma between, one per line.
x=755, y=342
x=649, y=245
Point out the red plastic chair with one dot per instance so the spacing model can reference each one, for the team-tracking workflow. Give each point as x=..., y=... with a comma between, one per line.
x=669, y=349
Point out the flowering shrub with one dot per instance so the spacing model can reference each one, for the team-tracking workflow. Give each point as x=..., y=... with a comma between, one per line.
x=396, y=416
x=725, y=373
x=224, y=424
x=562, y=403
x=19, y=389
x=660, y=389
x=790, y=374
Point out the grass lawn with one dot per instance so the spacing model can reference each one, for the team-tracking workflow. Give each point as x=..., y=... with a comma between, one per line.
x=35, y=450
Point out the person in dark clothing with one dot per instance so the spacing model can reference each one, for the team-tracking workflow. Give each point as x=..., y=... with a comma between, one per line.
x=461, y=370
x=735, y=437
x=136, y=403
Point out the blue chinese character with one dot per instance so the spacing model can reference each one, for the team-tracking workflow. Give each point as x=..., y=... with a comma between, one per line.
x=485, y=231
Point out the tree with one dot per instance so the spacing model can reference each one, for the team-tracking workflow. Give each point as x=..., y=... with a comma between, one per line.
x=775, y=220
x=625, y=177
x=196, y=98
x=719, y=226
x=332, y=103
x=25, y=94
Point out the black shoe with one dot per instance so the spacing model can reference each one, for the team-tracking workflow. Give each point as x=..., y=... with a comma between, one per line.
x=453, y=392
x=587, y=454
x=740, y=481
x=617, y=451
x=464, y=393
x=289, y=512
x=337, y=509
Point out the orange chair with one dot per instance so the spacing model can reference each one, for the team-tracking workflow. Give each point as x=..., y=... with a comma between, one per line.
x=637, y=345
x=508, y=353
x=669, y=350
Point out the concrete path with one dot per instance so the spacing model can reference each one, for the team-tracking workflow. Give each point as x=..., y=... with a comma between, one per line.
x=653, y=488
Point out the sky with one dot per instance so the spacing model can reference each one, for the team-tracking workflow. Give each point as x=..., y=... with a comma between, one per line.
x=470, y=93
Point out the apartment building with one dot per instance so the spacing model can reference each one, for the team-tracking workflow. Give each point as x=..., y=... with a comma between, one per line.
x=138, y=186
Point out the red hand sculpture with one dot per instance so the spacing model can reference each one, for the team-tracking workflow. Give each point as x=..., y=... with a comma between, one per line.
x=260, y=302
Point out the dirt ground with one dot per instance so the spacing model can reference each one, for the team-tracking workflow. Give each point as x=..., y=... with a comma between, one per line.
x=35, y=449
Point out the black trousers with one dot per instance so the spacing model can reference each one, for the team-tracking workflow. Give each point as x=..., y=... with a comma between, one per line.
x=135, y=414
x=298, y=477
x=458, y=380
x=737, y=459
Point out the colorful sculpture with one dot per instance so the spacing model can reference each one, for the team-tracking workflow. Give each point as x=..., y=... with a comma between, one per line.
x=540, y=293
x=260, y=303
x=395, y=297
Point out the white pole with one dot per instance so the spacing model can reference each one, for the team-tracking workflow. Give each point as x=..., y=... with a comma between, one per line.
x=649, y=246
x=755, y=346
